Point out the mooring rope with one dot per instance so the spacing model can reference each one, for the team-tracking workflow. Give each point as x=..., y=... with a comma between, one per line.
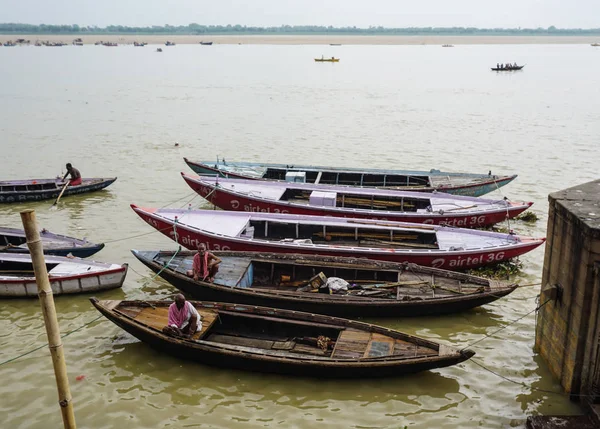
x=504, y=327
x=44, y=345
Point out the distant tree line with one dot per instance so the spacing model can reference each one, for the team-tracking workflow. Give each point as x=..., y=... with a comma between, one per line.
x=192, y=29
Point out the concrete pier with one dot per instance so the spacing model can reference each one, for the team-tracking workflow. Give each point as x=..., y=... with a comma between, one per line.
x=567, y=328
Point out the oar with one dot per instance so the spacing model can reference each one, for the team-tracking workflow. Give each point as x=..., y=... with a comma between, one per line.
x=61, y=192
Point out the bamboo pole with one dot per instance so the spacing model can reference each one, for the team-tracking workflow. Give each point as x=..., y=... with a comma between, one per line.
x=50, y=321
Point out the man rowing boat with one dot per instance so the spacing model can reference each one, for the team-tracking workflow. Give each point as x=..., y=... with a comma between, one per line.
x=75, y=175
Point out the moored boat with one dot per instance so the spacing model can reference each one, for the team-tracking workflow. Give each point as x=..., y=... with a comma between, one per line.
x=281, y=341
x=469, y=184
x=345, y=201
x=206, y=43
x=347, y=286
x=327, y=60
x=67, y=275
x=511, y=68
x=13, y=240
x=18, y=191
x=429, y=245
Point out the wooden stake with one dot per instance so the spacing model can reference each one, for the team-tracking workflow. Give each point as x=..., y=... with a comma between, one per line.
x=50, y=321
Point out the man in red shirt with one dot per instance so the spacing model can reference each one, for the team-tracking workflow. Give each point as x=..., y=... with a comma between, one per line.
x=205, y=265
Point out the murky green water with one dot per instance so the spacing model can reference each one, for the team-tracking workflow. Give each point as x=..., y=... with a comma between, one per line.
x=118, y=112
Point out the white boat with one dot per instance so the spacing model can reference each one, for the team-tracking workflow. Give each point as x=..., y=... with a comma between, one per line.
x=67, y=275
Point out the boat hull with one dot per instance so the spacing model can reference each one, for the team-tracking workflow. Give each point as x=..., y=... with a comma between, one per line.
x=456, y=260
x=211, y=354
x=324, y=304
x=226, y=199
x=28, y=190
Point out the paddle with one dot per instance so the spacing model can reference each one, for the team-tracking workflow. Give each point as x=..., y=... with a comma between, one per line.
x=60, y=195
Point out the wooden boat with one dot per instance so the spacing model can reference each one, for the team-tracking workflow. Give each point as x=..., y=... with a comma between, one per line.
x=13, y=240
x=469, y=184
x=327, y=60
x=67, y=275
x=206, y=43
x=345, y=201
x=508, y=68
x=375, y=288
x=429, y=245
x=281, y=341
x=18, y=191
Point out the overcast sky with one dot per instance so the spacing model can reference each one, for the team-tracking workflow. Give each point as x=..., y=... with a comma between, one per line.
x=339, y=13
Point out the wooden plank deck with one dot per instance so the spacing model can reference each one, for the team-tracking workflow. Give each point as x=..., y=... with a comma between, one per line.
x=158, y=317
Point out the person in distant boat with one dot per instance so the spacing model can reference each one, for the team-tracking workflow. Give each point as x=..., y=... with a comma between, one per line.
x=205, y=265
x=75, y=175
x=497, y=65
x=184, y=320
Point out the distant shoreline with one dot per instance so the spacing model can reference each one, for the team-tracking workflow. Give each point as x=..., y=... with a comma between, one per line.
x=160, y=39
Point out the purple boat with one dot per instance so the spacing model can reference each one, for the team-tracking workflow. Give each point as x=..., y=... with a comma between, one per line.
x=20, y=191
x=13, y=240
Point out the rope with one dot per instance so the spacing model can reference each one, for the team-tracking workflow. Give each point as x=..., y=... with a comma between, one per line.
x=170, y=260
x=504, y=327
x=530, y=387
x=44, y=345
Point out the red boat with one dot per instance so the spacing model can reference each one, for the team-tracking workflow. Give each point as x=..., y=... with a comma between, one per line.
x=344, y=201
x=429, y=245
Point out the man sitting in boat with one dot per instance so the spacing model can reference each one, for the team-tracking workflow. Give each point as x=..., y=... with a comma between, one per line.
x=75, y=175
x=205, y=265
x=184, y=320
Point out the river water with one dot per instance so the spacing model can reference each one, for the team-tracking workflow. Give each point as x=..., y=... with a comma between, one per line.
x=120, y=111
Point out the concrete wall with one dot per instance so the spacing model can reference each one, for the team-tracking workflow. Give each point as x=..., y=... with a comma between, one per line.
x=567, y=328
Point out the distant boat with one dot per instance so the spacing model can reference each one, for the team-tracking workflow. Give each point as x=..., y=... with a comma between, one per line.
x=10, y=43
x=327, y=60
x=13, y=240
x=335, y=44
x=139, y=44
x=20, y=191
x=158, y=49
x=511, y=68
x=169, y=43
x=595, y=44
x=273, y=340
x=67, y=275
x=206, y=43
x=78, y=42
x=409, y=180
x=110, y=44
x=447, y=46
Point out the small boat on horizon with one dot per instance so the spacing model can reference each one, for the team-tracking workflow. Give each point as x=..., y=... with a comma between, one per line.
x=169, y=43
x=346, y=287
x=13, y=240
x=19, y=191
x=471, y=184
x=327, y=60
x=206, y=43
x=347, y=201
x=595, y=44
x=67, y=275
x=139, y=44
x=429, y=245
x=281, y=341
x=511, y=68
x=447, y=46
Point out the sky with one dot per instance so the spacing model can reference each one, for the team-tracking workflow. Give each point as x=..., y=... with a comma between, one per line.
x=338, y=13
